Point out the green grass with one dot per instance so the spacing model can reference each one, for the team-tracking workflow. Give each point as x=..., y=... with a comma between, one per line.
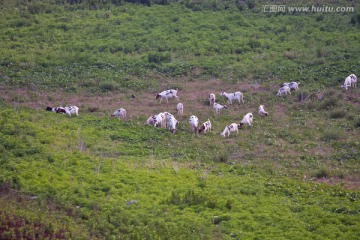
x=117, y=44
x=150, y=184
x=293, y=175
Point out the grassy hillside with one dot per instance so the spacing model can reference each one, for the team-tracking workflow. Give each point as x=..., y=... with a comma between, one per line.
x=132, y=46
x=100, y=174
x=293, y=175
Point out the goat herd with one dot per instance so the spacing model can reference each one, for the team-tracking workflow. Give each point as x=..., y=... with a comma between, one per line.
x=167, y=120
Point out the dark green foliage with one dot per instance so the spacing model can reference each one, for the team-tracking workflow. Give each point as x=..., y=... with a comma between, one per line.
x=337, y=113
x=155, y=57
x=355, y=20
x=109, y=86
x=331, y=135
x=357, y=123
x=322, y=172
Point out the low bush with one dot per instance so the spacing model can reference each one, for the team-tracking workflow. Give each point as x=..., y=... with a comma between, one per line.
x=109, y=86
x=331, y=135
x=337, y=113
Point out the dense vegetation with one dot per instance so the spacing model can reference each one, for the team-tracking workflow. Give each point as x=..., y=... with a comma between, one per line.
x=129, y=45
x=91, y=177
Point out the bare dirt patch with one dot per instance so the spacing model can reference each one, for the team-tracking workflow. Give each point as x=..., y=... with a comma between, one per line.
x=349, y=182
x=194, y=96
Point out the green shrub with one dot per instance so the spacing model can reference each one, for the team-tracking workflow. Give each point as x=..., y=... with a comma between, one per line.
x=158, y=57
x=329, y=102
x=357, y=123
x=222, y=157
x=322, y=172
x=337, y=113
x=109, y=86
x=332, y=135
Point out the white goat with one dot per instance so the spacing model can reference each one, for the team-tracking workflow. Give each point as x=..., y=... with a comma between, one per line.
x=262, y=111
x=350, y=81
x=171, y=93
x=156, y=120
x=72, y=110
x=353, y=80
x=120, y=113
x=233, y=96
x=180, y=108
x=205, y=127
x=152, y=121
x=167, y=115
x=217, y=107
x=229, y=129
x=171, y=124
x=161, y=117
x=283, y=90
x=212, y=98
x=292, y=85
x=247, y=120
x=194, y=122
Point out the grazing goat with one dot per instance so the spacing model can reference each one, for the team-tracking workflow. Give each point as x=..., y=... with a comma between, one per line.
x=229, y=129
x=205, y=127
x=233, y=96
x=171, y=124
x=69, y=110
x=120, y=113
x=262, y=111
x=292, y=85
x=283, y=90
x=217, y=107
x=212, y=98
x=167, y=115
x=72, y=110
x=350, y=81
x=161, y=118
x=171, y=93
x=151, y=121
x=180, y=108
x=194, y=122
x=156, y=120
x=247, y=120
x=56, y=109
x=353, y=80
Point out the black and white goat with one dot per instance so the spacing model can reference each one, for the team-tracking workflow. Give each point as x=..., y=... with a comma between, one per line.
x=120, y=113
x=233, y=96
x=217, y=107
x=247, y=120
x=205, y=127
x=233, y=127
x=194, y=122
x=70, y=110
x=171, y=93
